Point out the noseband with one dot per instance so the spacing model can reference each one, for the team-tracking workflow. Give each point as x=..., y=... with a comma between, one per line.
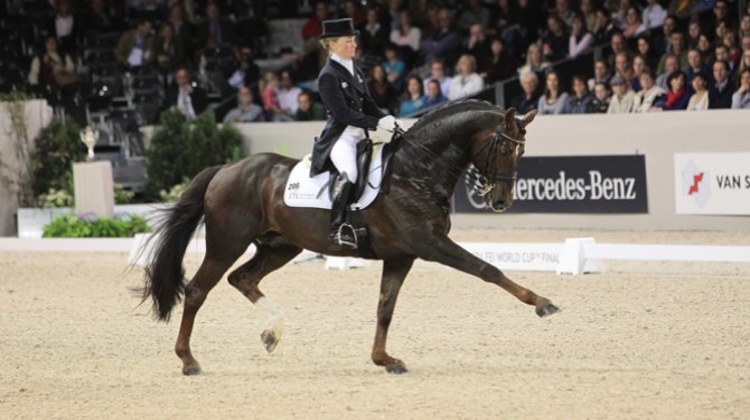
x=484, y=184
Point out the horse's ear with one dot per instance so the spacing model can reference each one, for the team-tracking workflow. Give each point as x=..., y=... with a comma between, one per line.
x=529, y=117
x=510, y=114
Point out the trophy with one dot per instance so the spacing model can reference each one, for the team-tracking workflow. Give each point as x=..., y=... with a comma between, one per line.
x=89, y=136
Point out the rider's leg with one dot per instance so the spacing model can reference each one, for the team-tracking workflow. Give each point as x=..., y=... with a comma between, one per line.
x=344, y=157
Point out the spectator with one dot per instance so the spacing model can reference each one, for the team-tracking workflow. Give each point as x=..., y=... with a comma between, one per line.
x=622, y=99
x=601, y=74
x=529, y=99
x=700, y=98
x=634, y=25
x=623, y=66
x=694, y=33
x=605, y=29
x=434, y=94
x=555, y=41
x=407, y=37
x=247, y=73
x=246, y=110
x=500, y=65
x=677, y=94
x=391, y=14
x=65, y=26
x=414, y=99
x=586, y=8
x=288, y=92
x=618, y=46
x=651, y=97
x=745, y=24
x=741, y=98
x=437, y=72
x=720, y=93
x=314, y=56
x=639, y=64
x=478, y=44
x=677, y=48
x=661, y=39
x=53, y=67
x=474, y=14
x=382, y=90
x=646, y=51
x=695, y=66
x=563, y=11
x=535, y=61
x=529, y=19
x=653, y=14
x=721, y=53
x=183, y=30
x=444, y=42
x=745, y=62
x=670, y=66
x=466, y=82
x=704, y=47
x=580, y=39
x=394, y=67
x=351, y=10
x=600, y=103
x=136, y=47
x=188, y=97
x=720, y=14
x=269, y=95
x=580, y=98
x=309, y=109
x=733, y=51
x=168, y=51
x=620, y=15
x=215, y=31
x=99, y=20
x=554, y=98
x=503, y=18
x=373, y=36
x=683, y=9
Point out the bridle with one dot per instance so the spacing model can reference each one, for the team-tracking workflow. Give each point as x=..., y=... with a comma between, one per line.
x=484, y=184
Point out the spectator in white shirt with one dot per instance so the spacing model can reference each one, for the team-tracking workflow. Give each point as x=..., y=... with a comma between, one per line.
x=466, y=82
x=650, y=96
x=288, y=93
x=621, y=101
x=653, y=14
x=580, y=38
x=407, y=35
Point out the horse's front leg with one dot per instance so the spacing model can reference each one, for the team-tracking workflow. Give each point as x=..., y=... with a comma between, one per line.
x=443, y=250
x=394, y=273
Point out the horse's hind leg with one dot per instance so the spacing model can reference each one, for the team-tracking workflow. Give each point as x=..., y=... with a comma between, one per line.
x=394, y=273
x=246, y=278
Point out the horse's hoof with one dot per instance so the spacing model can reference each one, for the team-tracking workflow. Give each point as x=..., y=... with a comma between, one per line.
x=270, y=340
x=396, y=369
x=547, y=310
x=191, y=370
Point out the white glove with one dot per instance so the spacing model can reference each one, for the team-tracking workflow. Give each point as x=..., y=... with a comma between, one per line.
x=387, y=123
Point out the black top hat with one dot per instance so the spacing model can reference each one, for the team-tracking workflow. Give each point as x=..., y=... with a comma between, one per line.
x=338, y=27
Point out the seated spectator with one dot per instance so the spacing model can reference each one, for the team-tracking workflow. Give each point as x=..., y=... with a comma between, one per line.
x=676, y=48
x=529, y=99
x=647, y=51
x=660, y=40
x=555, y=41
x=53, y=67
x=653, y=14
x=99, y=20
x=741, y=98
x=670, y=66
x=745, y=24
x=618, y=46
x=215, y=31
x=745, y=62
x=624, y=67
x=580, y=38
x=620, y=12
x=500, y=65
x=651, y=97
x=188, y=97
x=554, y=99
x=604, y=29
x=407, y=37
x=168, y=51
x=694, y=33
x=586, y=9
x=564, y=12
x=183, y=30
x=695, y=66
x=474, y=14
x=705, y=48
x=434, y=95
x=66, y=27
x=634, y=25
x=246, y=110
x=621, y=101
x=639, y=64
x=247, y=73
x=382, y=90
x=308, y=109
x=677, y=95
x=394, y=67
x=373, y=36
x=466, y=82
x=580, y=98
x=721, y=53
x=720, y=93
x=699, y=100
x=477, y=44
x=445, y=42
x=315, y=56
x=437, y=72
x=270, y=97
x=600, y=103
x=535, y=61
x=288, y=93
x=414, y=99
x=351, y=10
x=136, y=46
x=601, y=74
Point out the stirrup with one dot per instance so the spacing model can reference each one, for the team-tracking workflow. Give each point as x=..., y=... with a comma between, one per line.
x=340, y=240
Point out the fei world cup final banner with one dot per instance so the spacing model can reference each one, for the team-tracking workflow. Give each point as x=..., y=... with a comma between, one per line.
x=712, y=183
x=571, y=184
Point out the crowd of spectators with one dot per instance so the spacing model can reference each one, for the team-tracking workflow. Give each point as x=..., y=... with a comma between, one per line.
x=657, y=55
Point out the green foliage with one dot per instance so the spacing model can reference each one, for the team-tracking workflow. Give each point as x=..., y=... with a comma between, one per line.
x=58, y=146
x=122, y=196
x=175, y=192
x=91, y=226
x=56, y=199
x=180, y=149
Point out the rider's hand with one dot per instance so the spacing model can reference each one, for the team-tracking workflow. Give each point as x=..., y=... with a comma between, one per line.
x=387, y=123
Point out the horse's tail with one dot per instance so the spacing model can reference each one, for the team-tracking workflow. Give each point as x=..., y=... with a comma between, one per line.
x=164, y=278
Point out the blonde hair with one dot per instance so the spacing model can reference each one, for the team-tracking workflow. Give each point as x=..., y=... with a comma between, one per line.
x=466, y=58
x=267, y=79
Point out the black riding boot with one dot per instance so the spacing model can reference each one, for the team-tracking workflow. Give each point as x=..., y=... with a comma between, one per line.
x=341, y=234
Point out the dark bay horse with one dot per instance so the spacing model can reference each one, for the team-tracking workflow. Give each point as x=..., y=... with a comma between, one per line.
x=242, y=204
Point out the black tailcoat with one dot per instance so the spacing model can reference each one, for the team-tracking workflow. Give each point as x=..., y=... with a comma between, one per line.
x=348, y=102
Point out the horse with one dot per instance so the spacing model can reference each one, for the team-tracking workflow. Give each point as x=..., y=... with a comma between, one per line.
x=242, y=204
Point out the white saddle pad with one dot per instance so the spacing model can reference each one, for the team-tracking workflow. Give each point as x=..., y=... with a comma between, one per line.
x=303, y=191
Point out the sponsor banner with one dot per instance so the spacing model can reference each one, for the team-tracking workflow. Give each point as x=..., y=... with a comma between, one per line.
x=712, y=183
x=517, y=256
x=571, y=184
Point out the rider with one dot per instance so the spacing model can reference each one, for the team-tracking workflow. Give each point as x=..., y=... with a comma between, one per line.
x=352, y=113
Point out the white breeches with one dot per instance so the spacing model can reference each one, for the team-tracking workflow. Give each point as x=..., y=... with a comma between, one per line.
x=344, y=153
